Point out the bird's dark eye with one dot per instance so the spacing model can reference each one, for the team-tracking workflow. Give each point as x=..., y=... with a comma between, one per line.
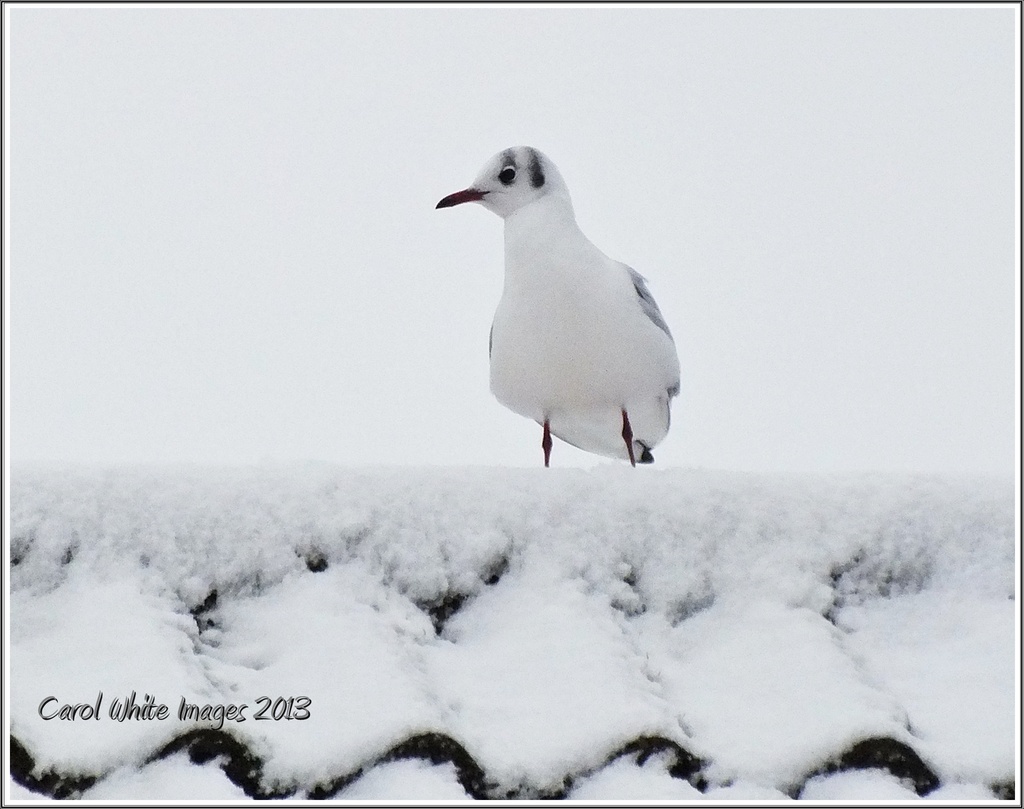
x=507, y=175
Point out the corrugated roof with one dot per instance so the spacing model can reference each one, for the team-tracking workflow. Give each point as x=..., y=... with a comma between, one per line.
x=492, y=633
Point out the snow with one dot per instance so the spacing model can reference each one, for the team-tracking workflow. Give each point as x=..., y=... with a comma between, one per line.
x=924, y=647
x=514, y=633
x=100, y=632
x=17, y=792
x=879, y=785
x=347, y=646
x=580, y=688
x=400, y=779
x=864, y=785
x=173, y=778
x=804, y=698
x=625, y=781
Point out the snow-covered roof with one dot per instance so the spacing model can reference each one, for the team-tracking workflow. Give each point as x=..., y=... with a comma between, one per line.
x=492, y=633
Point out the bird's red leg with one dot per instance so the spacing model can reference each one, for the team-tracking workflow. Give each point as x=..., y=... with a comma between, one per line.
x=546, y=443
x=627, y=436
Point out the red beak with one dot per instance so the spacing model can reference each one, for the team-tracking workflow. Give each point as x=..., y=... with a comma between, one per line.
x=469, y=195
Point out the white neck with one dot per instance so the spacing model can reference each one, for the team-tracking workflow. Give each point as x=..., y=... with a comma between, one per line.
x=536, y=236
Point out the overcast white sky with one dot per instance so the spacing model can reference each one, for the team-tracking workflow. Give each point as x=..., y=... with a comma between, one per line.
x=224, y=248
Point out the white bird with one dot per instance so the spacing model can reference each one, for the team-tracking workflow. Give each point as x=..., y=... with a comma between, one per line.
x=577, y=343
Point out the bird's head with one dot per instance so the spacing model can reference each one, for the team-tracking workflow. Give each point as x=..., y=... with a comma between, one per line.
x=511, y=180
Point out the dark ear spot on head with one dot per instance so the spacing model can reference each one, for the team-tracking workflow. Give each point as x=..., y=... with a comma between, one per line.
x=536, y=170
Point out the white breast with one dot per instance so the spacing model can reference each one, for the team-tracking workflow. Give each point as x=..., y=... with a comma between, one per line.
x=571, y=343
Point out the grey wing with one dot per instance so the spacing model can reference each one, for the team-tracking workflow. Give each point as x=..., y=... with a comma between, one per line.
x=490, y=342
x=650, y=307
x=647, y=302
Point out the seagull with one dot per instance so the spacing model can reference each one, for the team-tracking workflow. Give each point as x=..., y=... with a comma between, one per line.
x=578, y=343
